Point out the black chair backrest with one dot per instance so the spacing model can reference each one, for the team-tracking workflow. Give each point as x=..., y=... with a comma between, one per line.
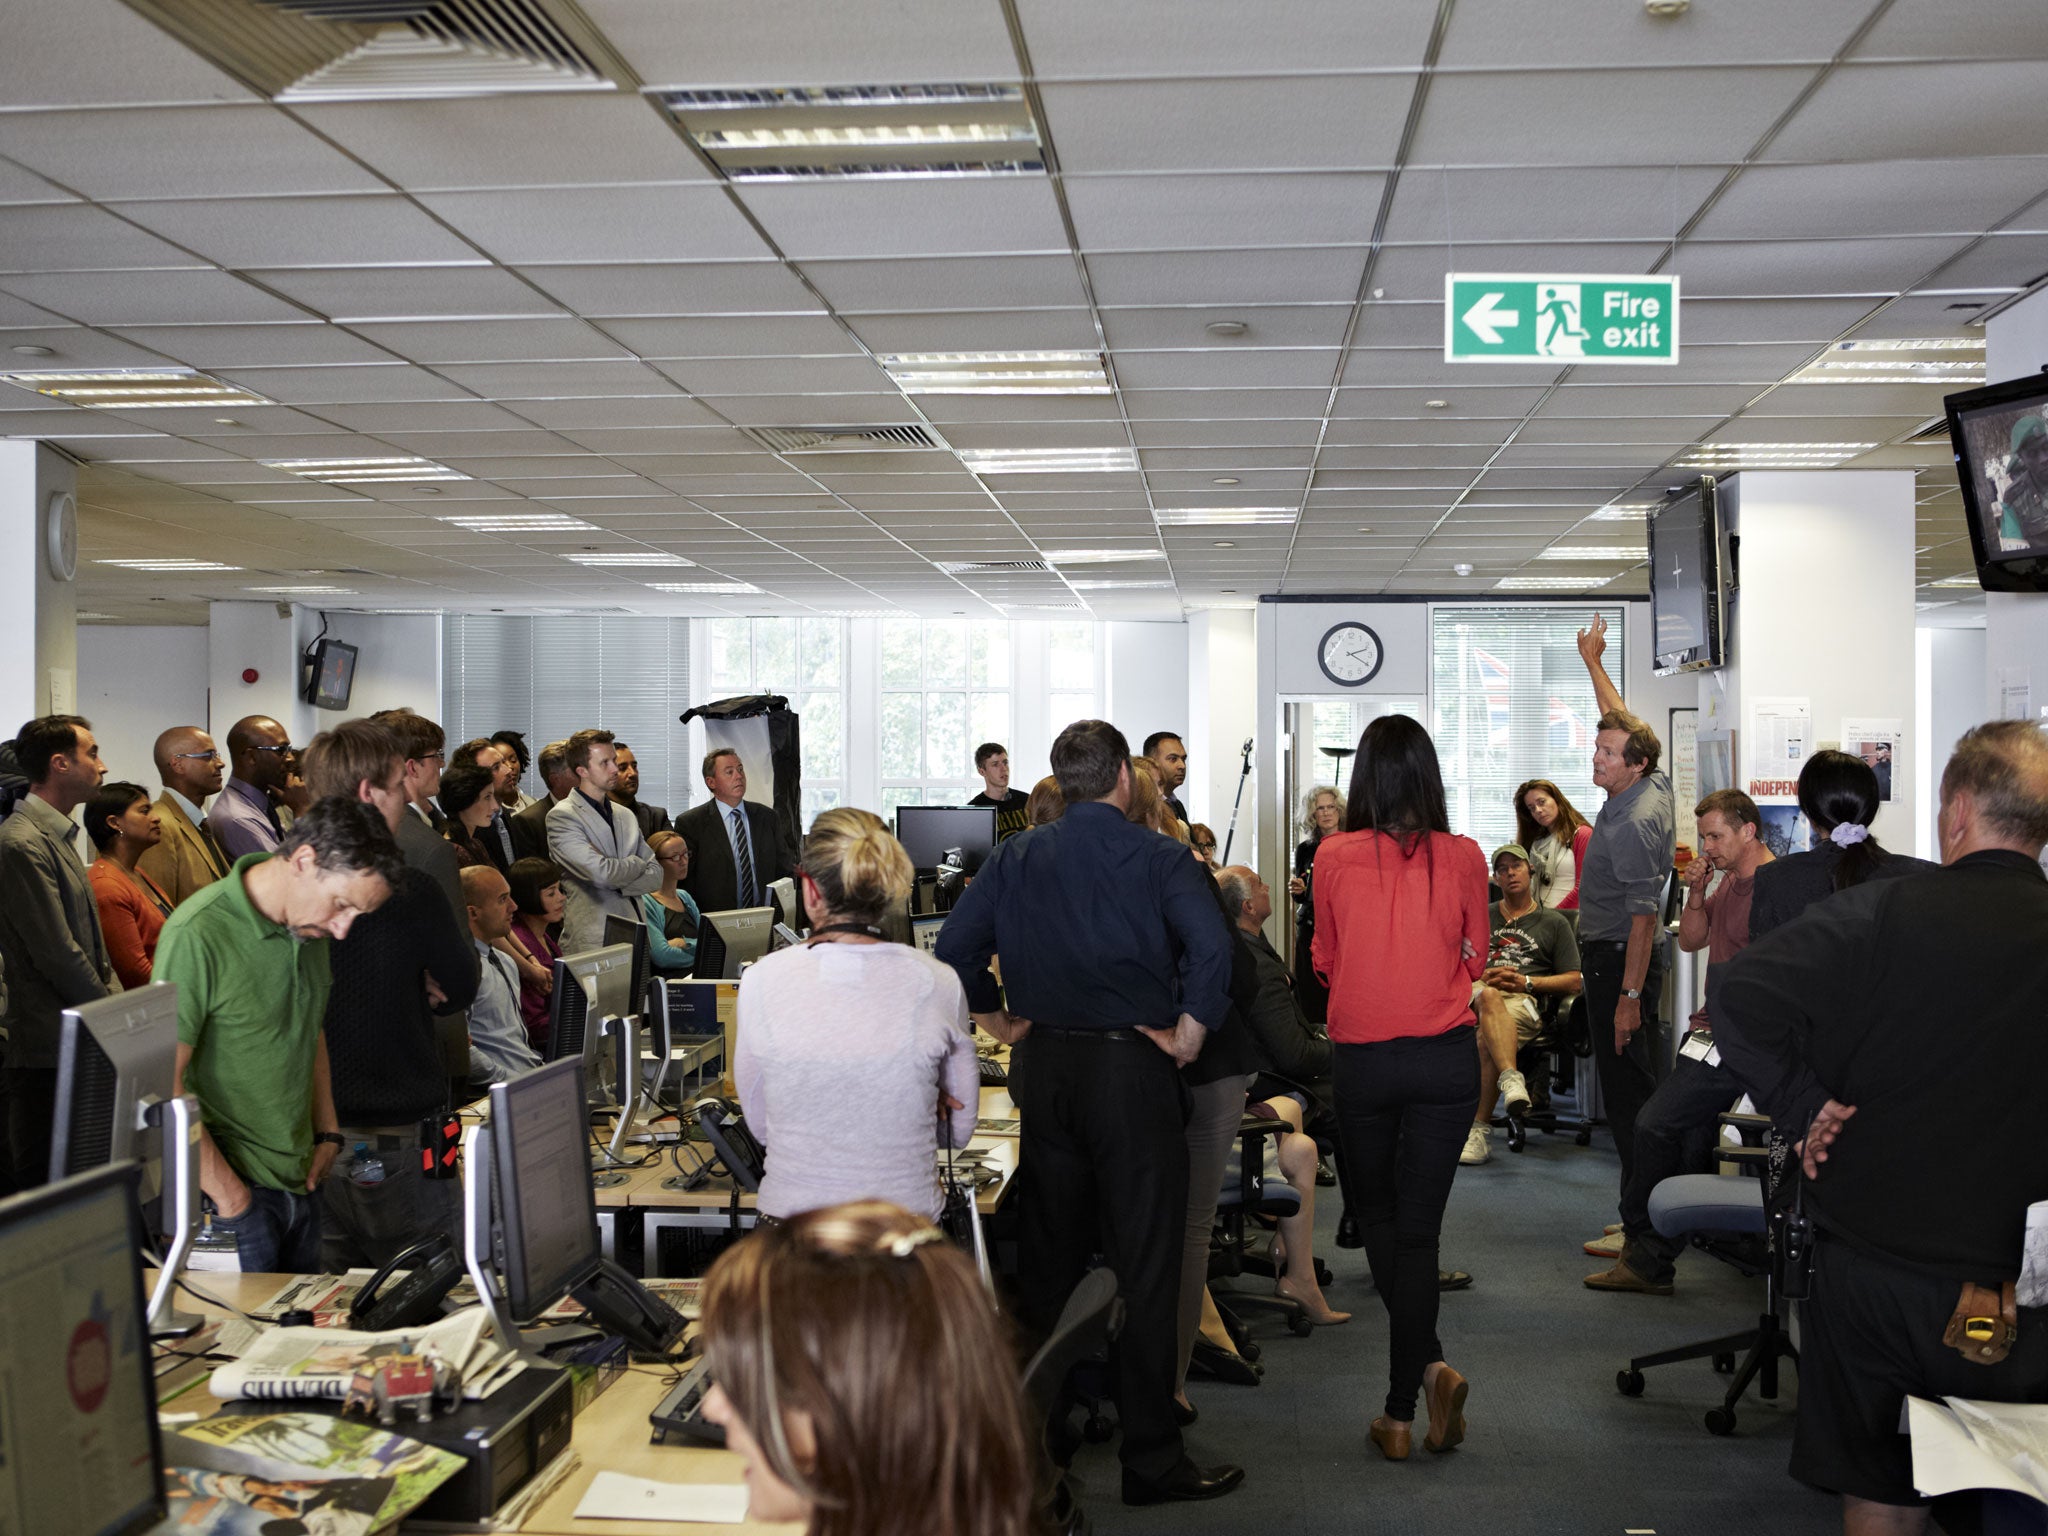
x=1092, y=1318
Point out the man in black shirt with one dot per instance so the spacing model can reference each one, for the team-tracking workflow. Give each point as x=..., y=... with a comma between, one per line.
x=1117, y=962
x=1170, y=753
x=1904, y=1026
x=626, y=792
x=399, y=967
x=992, y=762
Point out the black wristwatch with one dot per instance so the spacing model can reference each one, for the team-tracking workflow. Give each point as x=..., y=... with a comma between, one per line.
x=335, y=1137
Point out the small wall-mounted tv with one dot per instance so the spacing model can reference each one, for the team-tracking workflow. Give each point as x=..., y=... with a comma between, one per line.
x=2000, y=437
x=330, y=674
x=1687, y=632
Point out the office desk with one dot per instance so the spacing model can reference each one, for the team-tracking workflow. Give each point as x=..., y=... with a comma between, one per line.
x=610, y=1436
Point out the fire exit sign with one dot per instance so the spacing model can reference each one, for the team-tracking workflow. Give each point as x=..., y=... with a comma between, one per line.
x=1517, y=317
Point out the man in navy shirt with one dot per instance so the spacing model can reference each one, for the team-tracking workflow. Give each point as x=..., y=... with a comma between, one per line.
x=1116, y=962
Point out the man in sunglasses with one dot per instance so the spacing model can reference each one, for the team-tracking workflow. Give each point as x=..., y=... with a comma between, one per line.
x=247, y=817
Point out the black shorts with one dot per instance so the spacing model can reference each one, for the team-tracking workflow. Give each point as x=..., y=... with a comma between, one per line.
x=1871, y=1337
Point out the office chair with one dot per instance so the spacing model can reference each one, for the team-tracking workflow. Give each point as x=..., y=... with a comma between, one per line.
x=1549, y=1064
x=1252, y=1187
x=1725, y=1215
x=1089, y=1323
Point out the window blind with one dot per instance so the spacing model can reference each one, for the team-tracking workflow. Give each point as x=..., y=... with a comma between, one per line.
x=551, y=676
x=1512, y=702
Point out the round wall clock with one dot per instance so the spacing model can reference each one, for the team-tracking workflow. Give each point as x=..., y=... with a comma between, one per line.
x=60, y=536
x=1350, y=654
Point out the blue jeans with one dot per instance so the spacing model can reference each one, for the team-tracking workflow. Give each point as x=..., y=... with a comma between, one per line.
x=278, y=1234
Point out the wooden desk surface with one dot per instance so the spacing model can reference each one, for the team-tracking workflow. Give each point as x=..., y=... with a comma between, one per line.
x=612, y=1435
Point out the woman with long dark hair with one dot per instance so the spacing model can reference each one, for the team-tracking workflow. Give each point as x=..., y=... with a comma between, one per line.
x=1838, y=796
x=1550, y=827
x=1401, y=935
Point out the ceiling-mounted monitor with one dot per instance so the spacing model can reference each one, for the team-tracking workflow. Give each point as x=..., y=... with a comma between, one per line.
x=1687, y=594
x=2000, y=437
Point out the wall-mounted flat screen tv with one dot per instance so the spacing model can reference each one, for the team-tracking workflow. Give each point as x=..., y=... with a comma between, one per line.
x=2000, y=437
x=330, y=674
x=1686, y=585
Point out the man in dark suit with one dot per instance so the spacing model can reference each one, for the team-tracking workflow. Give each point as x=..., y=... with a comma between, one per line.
x=734, y=848
x=530, y=825
x=652, y=818
x=51, y=947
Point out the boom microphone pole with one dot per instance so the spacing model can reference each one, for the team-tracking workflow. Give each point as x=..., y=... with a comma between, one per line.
x=1237, y=805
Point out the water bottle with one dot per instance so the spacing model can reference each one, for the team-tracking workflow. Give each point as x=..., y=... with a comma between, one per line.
x=365, y=1167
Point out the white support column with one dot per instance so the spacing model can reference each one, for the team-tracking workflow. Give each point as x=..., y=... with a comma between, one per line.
x=38, y=612
x=1223, y=695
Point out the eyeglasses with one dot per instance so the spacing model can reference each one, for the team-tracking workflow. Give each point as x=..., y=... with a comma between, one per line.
x=1205, y=847
x=281, y=748
x=204, y=757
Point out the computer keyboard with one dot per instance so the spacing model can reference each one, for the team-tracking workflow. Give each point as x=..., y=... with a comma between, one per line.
x=993, y=1073
x=679, y=1417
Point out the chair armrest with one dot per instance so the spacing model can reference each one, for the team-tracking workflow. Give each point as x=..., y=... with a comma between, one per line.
x=1745, y=1122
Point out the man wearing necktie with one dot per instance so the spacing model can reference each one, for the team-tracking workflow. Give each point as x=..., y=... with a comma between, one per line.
x=244, y=819
x=51, y=947
x=734, y=848
x=498, y=1047
x=188, y=859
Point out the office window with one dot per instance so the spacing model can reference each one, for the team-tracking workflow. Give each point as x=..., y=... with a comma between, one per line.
x=1512, y=702
x=549, y=677
x=945, y=690
x=805, y=661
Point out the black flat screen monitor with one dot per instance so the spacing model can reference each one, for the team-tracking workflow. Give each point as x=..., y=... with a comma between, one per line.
x=1999, y=435
x=330, y=674
x=1685, y=582
x=929, y=832
x=546, y=1211
x=79, y=1449
x=728, y=940
x=591, y=986
x=115, y=1056
x=623, y=930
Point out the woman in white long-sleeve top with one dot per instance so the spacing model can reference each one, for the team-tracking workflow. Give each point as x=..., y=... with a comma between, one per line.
x=851, y=1048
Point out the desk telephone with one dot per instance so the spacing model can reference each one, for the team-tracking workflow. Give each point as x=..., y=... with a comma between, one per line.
x=735, y=1145
x=432, y=1266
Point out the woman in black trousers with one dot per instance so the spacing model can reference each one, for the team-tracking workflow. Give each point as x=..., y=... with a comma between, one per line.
x=1401, y=938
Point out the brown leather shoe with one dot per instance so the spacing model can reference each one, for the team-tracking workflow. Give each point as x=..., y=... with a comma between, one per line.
x=1446, y=1411
x=1622, y=1278
x=1393, y=1439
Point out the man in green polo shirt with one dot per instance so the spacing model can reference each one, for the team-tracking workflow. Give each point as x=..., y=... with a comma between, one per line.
x=249, y=958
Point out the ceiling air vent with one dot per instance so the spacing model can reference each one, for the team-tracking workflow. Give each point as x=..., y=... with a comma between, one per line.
x=394, y=50
x=842, y=439
x=971, y=567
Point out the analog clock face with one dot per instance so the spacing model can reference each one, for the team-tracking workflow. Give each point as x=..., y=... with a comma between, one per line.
x=1350, y=655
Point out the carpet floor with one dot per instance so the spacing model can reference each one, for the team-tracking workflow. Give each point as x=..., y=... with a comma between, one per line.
x=1553, y=1447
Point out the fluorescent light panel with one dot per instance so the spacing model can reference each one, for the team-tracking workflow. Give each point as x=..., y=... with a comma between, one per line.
x=306, y=591
x=1550, y=583
x=1771, y=455
x=1958, y=582
x=135, y=388
x=802, y=133
x=521, y=522
x=1101, y=556
x=1047, y=461
x=705, y=588
x=1104, y=586
x=651, y=557
x=404, y=469
x=1898, y=360
x=1625, y=512
x=1214, y=517
x=997, y=373
x=169, y=565
x=1595, y=552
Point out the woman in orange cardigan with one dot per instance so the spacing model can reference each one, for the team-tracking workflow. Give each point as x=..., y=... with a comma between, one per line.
x=121, y=823
x=1401, y=936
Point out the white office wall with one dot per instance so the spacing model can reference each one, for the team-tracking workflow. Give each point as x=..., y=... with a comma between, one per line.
x=1223, y=701
x=134, y=683
x=1952, y=663
x=1145, y=678
x=398, y=663
x=38, y=613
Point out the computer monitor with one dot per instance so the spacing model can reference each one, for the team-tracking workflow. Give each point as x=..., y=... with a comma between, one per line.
x=623, y=930
x=80, y=1449
x=930, y=832
x=924, y=931
x=728, y=940
x=591, y=986
x=116, y=1061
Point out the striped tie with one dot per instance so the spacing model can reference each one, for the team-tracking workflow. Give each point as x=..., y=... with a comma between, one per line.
x=744, y=847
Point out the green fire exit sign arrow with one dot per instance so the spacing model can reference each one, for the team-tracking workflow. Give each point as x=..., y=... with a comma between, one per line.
x=1516, y=317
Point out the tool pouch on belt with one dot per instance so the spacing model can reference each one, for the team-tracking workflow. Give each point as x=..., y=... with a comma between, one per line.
x=1986, y=1324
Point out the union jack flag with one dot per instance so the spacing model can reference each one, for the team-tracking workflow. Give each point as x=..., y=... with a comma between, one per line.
x=1569, y=731
x=1495, y=679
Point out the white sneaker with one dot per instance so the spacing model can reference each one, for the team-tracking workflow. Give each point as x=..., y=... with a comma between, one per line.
x=1608, y=1246
x=1514, y=1094
x=1476, y=1150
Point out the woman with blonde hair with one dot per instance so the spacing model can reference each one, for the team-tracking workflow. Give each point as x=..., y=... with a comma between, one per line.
x=1046, y=803
x=866, y=1381
x=849, y=1019
x=1322, y=812
x=670, y=911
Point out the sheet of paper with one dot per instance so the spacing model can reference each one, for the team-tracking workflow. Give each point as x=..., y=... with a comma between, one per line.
x=1880, y=743
x=615, y=1496
x=1960, y=1445
x=2033, y=1287
x=1780, y=736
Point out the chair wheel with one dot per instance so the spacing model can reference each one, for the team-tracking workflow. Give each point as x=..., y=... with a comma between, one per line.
x=1323, y=1274
x=1720, y=1422
x=1629, y=1383
x=1300, y=1326
x=1725, y=1364
x=1584, y=1138
x=1096, y=1430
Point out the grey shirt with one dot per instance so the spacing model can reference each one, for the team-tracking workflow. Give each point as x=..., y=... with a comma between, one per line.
x=498, y=1048
x=1628, y=859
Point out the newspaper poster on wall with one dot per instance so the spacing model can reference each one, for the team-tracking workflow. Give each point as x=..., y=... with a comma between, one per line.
x=1685, y=758
x=1880, y=743
x=1780, y=737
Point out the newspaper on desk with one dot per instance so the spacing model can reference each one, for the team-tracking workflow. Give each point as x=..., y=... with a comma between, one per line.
x=283, y=1364
x=316, y=1446
x=1959, y=1444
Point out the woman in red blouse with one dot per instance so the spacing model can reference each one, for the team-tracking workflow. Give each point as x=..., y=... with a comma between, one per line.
x=1401, y=935
x=122, y=826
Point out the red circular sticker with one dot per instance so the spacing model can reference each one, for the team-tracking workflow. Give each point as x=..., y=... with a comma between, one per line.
x=89, y=1366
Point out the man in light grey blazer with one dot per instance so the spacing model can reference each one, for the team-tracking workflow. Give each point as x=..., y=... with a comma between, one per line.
x=50, y=940
x=606, y=864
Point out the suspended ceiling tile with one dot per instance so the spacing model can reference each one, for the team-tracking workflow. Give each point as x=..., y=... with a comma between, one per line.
x=1503, y=34
x=526, y=339
x=73, y=237
x=1145, y=213
x=1327, y=275
x=407, y=293
x=601, y=224
x=212, y=348
x=976, y=283
x=1080, y=39
x=210, y=151
x=337, y=231
x=1302, y=122
x=934, y=216
x=1908, y=111
x=675, y=288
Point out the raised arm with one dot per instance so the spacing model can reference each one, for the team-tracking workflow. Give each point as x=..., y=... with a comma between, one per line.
x=1592, y=647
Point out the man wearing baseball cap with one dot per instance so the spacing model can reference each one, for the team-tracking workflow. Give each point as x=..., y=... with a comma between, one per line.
x=1534, y=954
x=2022, y=505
